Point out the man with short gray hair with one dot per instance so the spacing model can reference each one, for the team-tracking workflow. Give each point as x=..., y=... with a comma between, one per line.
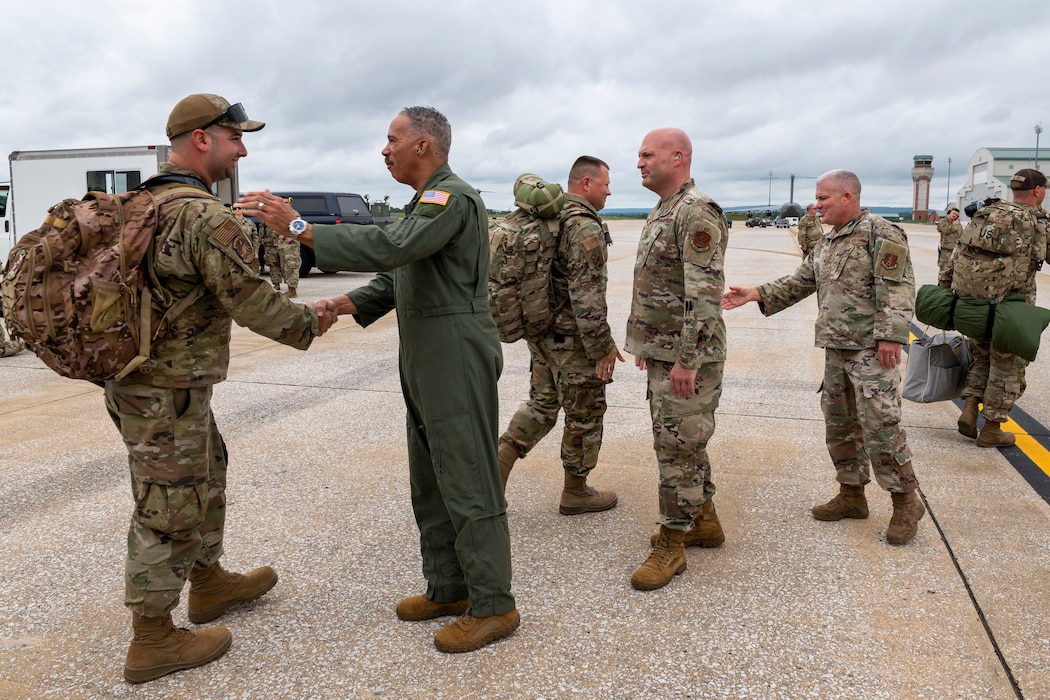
x=433, y=271
x=862, y=275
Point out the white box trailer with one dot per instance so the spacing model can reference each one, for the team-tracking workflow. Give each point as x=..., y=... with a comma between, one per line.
x=39, y=179
x=7, y=229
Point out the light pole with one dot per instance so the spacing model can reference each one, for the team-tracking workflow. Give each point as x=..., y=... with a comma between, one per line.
x=769, y=202
x=948, y=194
x=1038, y=130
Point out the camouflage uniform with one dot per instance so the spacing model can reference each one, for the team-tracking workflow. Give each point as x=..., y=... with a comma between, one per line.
x=997, y=378
x=436, y=261
x=163, y=411
x=250, y=231
x=9, y=346
x=862, y=275
x=676, y=317
x=563, y=362
x=282, y=257
x=810, y=231
x=950, y=232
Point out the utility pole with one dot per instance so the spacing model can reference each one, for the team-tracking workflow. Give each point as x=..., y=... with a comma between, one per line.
x=948, y=194
x=769, y=203
x=1038, y=130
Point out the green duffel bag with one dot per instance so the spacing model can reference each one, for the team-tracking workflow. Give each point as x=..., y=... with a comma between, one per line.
x=1014, y=325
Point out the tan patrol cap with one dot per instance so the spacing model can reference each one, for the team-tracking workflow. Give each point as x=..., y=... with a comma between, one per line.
x=201, y=111
x=1027, y=179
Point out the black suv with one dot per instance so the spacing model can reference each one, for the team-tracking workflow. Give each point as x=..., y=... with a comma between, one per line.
x=326, y=208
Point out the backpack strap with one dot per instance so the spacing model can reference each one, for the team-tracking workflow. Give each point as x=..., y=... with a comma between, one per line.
x=192, y=188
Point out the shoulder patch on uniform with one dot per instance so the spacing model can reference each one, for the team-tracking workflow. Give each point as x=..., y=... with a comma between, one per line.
x=434, y=197
x=225, y=234
x=702, y=244
x=590, y=243
x=231, y=240
x=892, y=260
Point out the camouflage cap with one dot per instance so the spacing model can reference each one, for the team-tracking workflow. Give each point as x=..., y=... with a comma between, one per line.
x=1027, y=179
x=201, y=111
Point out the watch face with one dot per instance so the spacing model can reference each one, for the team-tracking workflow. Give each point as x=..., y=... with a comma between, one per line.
x=297, y=226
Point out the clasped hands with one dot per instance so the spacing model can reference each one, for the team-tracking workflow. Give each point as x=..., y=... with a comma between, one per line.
x=327, y=314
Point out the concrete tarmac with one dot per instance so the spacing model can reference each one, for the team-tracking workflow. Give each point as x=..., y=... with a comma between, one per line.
x=788, y=607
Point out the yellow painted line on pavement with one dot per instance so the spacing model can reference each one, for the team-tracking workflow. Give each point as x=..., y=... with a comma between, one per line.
x=1039, y=455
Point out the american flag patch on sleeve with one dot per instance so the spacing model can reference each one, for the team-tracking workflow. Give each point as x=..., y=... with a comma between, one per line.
x=226, y=233
x=434, y=197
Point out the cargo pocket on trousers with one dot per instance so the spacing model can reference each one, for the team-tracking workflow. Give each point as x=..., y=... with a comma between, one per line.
x=169, y=508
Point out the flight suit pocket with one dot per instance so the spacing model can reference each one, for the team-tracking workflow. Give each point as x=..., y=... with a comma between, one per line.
x=455, y=455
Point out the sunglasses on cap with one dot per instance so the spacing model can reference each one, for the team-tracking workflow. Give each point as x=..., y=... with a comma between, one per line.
x=235, y=113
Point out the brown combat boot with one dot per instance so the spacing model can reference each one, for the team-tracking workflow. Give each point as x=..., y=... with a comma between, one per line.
x=706, y=532
x=968, y=418
x=907, y=512
x=419, y=607
x=159, y=648
x=577, y=497
x=849, y=503
x=214, y=590
x=291, y=293
x=506, y=455
x=666, y=561
x=468, y=633
x=992, y=435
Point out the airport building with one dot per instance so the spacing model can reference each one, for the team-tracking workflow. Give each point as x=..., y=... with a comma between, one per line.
x=990, y=170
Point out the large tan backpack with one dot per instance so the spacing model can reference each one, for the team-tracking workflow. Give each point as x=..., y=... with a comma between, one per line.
x=81, y=290
x=521, y=253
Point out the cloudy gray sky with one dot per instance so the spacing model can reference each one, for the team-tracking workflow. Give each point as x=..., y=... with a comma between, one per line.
x=772, y=86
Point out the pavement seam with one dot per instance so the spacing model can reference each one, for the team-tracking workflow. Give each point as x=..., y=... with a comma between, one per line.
x=973, y=599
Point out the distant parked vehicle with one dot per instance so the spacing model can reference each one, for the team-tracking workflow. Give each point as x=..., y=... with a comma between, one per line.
x=782, y=223
x=326, y=208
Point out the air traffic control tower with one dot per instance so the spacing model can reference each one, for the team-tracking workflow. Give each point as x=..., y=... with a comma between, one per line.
x=921, y=175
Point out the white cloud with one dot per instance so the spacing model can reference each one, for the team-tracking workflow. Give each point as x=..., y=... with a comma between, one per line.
x=788, y=87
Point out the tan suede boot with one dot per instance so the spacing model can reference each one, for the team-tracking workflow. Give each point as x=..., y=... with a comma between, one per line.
x=992, y=435
x=907, y=512
x=666, y=561
x=706, y=532
x=577, y=497
x=214, y=590
x=468, y=633
x=291, y=293
x=159, y=648
x=419, y=607
x=506, y=455
x=968, y=417
x=849, y=503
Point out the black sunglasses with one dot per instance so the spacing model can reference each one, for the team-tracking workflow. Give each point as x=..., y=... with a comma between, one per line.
x=235, y=113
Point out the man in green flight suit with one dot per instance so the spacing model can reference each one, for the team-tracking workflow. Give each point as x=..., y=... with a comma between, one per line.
x=433, y=269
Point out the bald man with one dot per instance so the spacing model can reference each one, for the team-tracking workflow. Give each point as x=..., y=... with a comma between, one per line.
x=676, y=333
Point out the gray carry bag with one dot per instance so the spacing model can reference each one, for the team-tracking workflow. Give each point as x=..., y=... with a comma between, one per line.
x=937, y=367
